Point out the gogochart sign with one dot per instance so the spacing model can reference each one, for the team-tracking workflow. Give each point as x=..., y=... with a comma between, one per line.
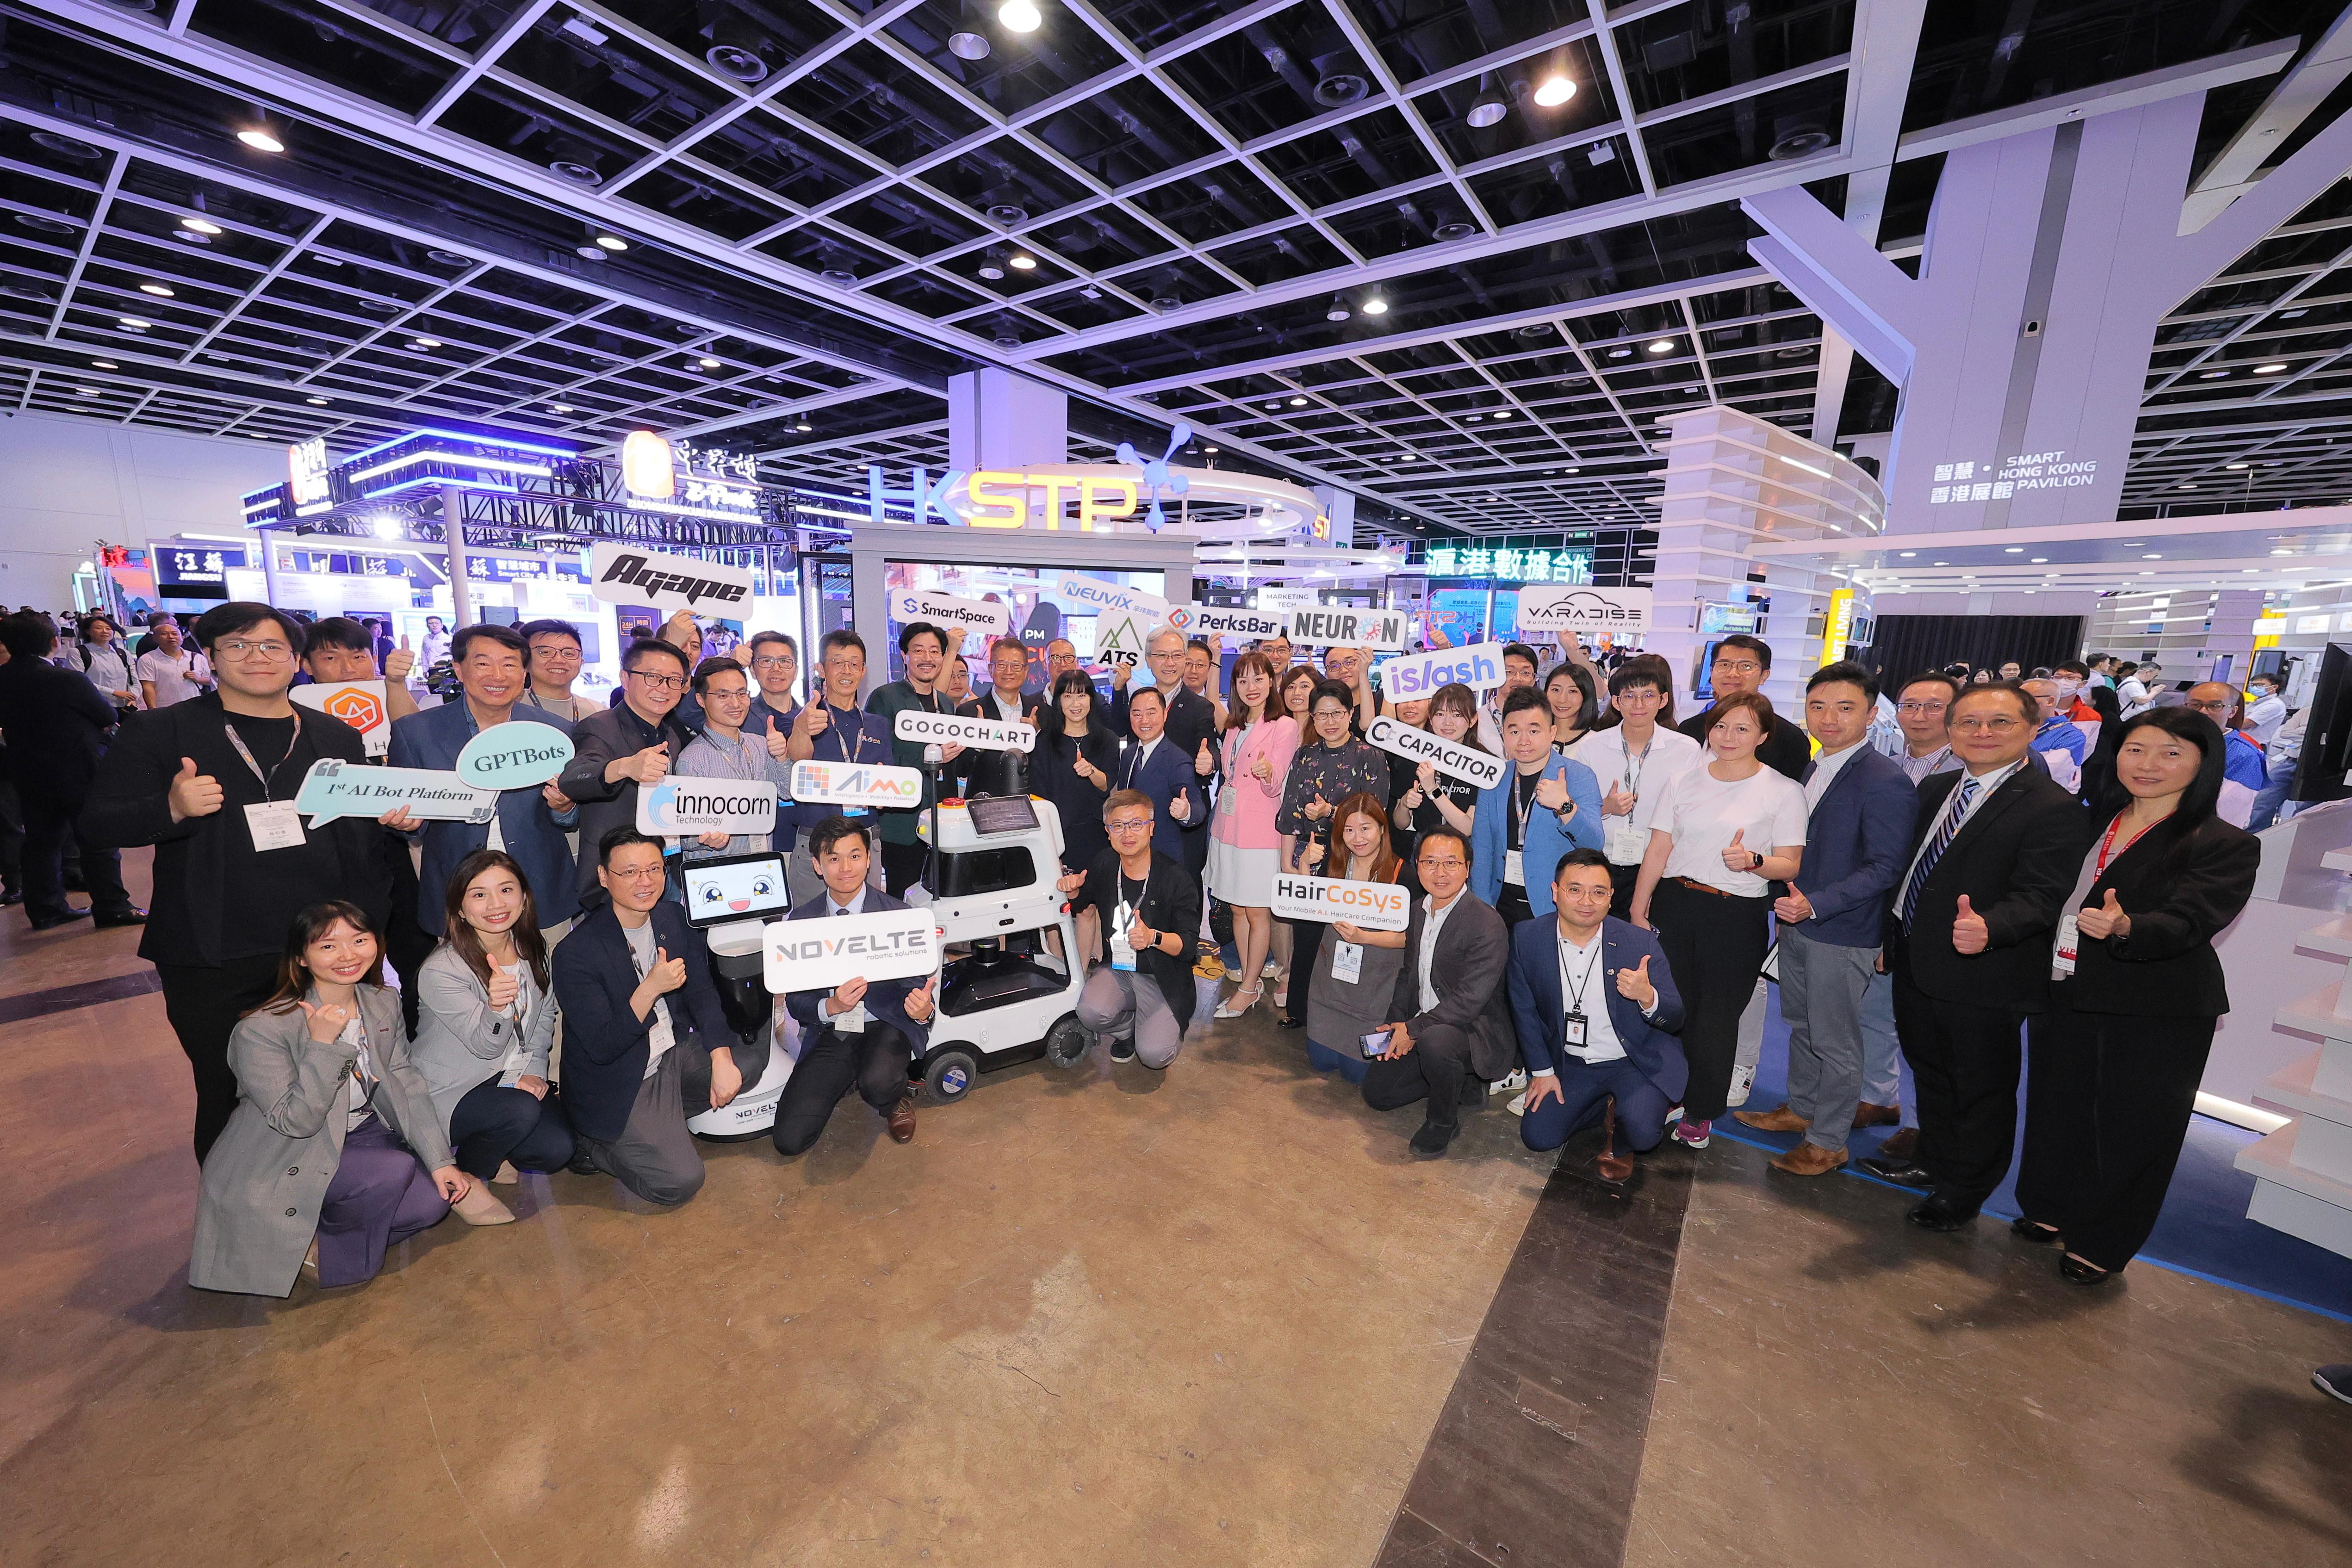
x=928, y=728
x=1478, y=667
x=1337, y=626
x=1556, y=609
x=818, y=955
x=516, y=754
x=856, y=784
x=706, y=806
x=625, y=574
x=1374, y=905
x=1215, y=620
x=960, y=615
x=335, y=788
x=1482, y=769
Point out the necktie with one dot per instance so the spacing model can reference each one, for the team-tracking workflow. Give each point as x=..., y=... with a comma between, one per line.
x=1126, y=778
x=1945, y=834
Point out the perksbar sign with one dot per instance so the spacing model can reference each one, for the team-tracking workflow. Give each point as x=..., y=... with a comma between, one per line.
x=818, y=955
x=1374, y=905
x=1383, y=631
x=1204, y=619
x=625, y=574
x=931, y=728
x=1480, y=767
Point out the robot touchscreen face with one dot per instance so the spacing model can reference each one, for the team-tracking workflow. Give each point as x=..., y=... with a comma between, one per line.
x=743, y=889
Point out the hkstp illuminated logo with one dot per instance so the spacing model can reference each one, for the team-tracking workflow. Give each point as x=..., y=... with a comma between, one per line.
x=360, y=709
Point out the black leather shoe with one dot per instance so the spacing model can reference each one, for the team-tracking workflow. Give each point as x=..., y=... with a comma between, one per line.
x=1431, y=1142
x=1473, y=1092
x=2075, y=1271
x=2034, y=1230
x=583, y=1162
x=9, y=895
x=1123, y=1049
x=1941, y=1215
x=1902, y=1173
x=122, y=917
x=61, y=920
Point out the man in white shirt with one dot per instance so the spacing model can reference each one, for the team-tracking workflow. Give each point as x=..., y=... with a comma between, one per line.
x=2267, y=710
x=171, y=673
x=1633, y=760
x=437, y=642
x=2140, y=683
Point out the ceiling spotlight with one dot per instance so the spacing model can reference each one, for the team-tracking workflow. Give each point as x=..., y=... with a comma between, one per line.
x=1489, y=107
x=1021, y=16
x=159, y=290
x=1663, y=346
x=132, y=323
x=991, y=271
x=708, y=363
x=839, y=277
x=260, y=139
x=1298, y=402
x=1556, y=90
x=803, y=428
x=1338, y=311
x=611, y=242
x=105, y=364
x=1503, y=413
x=579, y=173
x=1620, y=353
x=1799, y=142
x=1022, y=263
x=424, y=342
x=1375, y=305
x=316, y=401
x=589, y=251
x=733, y=60
x=2269, y=370
x=201, y=226
x=1004, y=215
x=562, y=407
x=190, y=236
x=1472, y=418
x=968, y=45
x=2012, y=549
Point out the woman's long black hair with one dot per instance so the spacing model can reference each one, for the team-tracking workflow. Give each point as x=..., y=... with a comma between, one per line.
x=1051, y=725
x=2199, y=802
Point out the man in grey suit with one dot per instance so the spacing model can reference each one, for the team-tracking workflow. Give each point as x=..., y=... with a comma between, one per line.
x=1455, y=1033
x=636, y=741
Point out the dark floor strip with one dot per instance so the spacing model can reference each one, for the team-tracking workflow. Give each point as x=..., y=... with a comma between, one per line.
x=88, y=994
x=1536, y=1454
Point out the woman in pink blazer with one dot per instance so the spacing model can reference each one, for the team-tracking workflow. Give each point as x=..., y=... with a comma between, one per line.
x=1243, y=845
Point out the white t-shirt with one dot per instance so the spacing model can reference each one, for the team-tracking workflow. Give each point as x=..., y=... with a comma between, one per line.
x=647, y=953
x=1644, y=775
x=1702, y=813
x=173, y=676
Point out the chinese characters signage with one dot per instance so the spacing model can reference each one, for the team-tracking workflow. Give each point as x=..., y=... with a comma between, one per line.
x=2017, y=475
x=1506, y=564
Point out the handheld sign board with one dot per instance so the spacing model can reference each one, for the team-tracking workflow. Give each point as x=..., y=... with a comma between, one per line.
x=514, y=756
x=631, y=574
x=1482, y=769
x=960, y=615
x=1204, y=619
x=685, y=806
x=954, y=729
x=335, y=788
x=1478, y=667
x=1374, y=905
x=1083, y=594
x=1568, y=608
x=856, y=784
x=818, y=955
x=359, y=703
x=1338, y=626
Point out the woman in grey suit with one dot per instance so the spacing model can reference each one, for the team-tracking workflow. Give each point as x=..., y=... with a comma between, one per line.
x=333, y=1152
x=485, y=1025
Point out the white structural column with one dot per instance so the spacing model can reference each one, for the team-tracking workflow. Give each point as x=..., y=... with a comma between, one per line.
x=1732, y=482
x=461, y=577
x=999, y=419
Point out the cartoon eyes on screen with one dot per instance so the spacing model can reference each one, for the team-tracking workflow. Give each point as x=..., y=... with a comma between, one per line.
x=757, y=889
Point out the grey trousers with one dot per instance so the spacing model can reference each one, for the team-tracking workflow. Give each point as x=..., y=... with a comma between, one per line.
x=1119, y=1002
x=655, y=1156
x=1822, y=991
x=1885, y=1077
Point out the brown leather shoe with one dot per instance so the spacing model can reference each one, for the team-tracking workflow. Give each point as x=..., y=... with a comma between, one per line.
x=1901, y=1147
x=1780, y=1119
x=1810, y=1160
x=902, y=1121
x=1866, y=1115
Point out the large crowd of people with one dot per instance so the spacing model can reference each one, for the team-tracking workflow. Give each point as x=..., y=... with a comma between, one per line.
x=1933, y=870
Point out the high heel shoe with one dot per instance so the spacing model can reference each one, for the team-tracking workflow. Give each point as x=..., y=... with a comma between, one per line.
x=2034, y=1230
x=1240, y=1002
x=2075, y=1271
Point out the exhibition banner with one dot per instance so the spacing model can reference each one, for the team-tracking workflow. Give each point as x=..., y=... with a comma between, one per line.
x=1478, y=667
x=1283, y=601
x=335, y=788
x=689, y=806
x=1216, y=619
x=1555, y=607
x=622, y=573
x=856, y=784
x=516, y=754
x=359, y=703
x=1083, y=594
x=1341, y=626
x=1468, y=764
x=931, y=728
x=818, y=955
x=945, y=610
x=1374, y=905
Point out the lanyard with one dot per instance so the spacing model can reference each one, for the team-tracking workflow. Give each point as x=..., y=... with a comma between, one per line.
x=730, y=763
x=2108, y=849
x=246, y=752
x=1577, y=988
x=1522, y=808
x=858, y=744
x=1634, y=765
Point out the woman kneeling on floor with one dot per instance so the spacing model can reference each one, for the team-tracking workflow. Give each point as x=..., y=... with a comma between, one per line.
x=1355, y=969
x=333, y=1152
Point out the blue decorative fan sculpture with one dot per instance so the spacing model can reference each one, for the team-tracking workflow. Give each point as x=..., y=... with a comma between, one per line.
x=1156, y=478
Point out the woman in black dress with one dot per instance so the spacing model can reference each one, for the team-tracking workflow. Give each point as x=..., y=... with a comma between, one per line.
x=1073, y=759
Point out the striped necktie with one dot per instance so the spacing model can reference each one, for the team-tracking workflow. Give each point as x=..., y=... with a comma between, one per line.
x=1950, y=830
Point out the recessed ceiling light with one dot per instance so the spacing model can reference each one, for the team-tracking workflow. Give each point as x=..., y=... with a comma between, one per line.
x=1298, y=402
x=2213, y=375
x=708, y=363
x=1620, y=353
x=2152, y=557
x=1375, y=305
x=562, y=407
x=201, y=226
x=159, y=290
x=2234, y=466
x=968, y=45
x=260, y=139
x=1906, y=554
x=2281, y=552
x=2270, y=369
x=1020, y=16
x=991, y=271
x=1663, y=346
x=2040, y=559
x=316, y=401
x=105, y=364
x=424, y=342
x=134, y=324
x=1555, y=91
x=611, y=242
x=2012, y=549
x=1024, y=263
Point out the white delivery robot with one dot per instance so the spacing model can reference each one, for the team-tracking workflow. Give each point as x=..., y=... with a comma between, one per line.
x=732, y=900
x=1011, y=993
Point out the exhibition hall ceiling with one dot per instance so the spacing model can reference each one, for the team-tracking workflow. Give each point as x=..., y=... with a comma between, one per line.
x=1458, y=255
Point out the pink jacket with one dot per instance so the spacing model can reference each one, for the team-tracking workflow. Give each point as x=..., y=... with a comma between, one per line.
x=1247, y=805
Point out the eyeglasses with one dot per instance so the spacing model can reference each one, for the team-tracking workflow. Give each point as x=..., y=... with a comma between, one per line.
x=1131, y=825
x=659, y=682
x=774, y=662
x=1450, y=863
x=1998, y=724
x=2222, y=709
x=1739, y=667
x=644, y=873
x=1920, y=708
x=239, y=648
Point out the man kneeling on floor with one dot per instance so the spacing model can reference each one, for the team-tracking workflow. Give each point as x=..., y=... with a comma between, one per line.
x=1596, y=1009
x=644, y=1042
x=1456, y=1034
x=862, y=1032
x=1142, y=996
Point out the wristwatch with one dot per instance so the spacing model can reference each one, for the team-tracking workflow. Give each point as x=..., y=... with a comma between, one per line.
x=1755, y=861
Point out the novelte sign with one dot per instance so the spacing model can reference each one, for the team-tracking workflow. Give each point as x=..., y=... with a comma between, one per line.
x=1584, y=609
x=818, y=955
x=1374, y=905
x=1470, y=765
x=626, y=574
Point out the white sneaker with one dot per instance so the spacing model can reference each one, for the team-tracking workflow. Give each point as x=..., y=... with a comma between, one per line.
x=1516, y=1079
x=1519, y=1105
x=1743, y=1079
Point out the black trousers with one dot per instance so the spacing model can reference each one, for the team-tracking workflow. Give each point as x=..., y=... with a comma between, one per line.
x=50, y=831
x=1511, y=904
x=12, y=837
x=832, y=1063
x=1715, y=946
x=2108, y=1103
x=406, y=943
x=203, y=1004
x=491, y=1125
x=902, y=866
x=1965, y=1060
x=1436, y=1069
x=1306, y=949
x=1622, y=879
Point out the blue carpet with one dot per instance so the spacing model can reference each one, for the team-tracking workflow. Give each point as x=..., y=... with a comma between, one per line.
x=2203, y=1231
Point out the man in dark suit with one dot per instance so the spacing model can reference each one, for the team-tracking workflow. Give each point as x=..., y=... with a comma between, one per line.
x=1190, y=724
x=1994, y=855
x=861, y=1033
x=1740, y=664
x=1454, y=1035
x=1596, y=1011
x=646, y=1043
x=989, y=771
x=1153, y=763
x=1861, y=806
x=57, y=721
x=633, y=742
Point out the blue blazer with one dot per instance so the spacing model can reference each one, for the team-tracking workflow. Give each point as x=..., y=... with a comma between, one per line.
x=1537, y=1010
x=1547, y=838
x=1857, y=846
x=886, y=1000
x=1167, y=774
x=605, y=1043
x=432, y=737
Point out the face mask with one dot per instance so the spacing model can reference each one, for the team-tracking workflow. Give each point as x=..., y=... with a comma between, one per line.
x=2066, y=690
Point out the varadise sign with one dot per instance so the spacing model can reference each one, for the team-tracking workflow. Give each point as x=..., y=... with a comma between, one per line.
x=1575, y=608
x=1472, y=767
x=1374, y=905
x=685, y=806
x=856, y=784
x=818, y=955
x=1207, y=619
x=625, y=574
x=1383, y=631
x=1478, y=667
x=931, y=728
x=911, y=604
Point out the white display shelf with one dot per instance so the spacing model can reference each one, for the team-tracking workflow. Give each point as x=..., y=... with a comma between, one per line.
x=2335, y=938
x=2294, y=1198
x=2325, y=1142
x=2302, y=1171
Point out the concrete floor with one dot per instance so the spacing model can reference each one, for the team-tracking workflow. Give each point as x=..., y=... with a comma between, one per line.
x=1102, y=1317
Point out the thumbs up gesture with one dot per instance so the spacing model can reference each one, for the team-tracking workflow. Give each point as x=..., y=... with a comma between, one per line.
x=2104, y=919
x=1634, y=986
x=399, y=662
x=650, y=766
x=1794, y=907
x=1968, y=932
x=194, y=794
x=1202, y=763
x=1181, y=807
x=1736, y=855
x=780, y=742
x=503, y=988
x=670, y=972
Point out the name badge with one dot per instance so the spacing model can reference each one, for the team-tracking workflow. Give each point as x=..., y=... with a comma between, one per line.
x=853, y=1020
x=1122, y=946
x=1573, y=1032
x=275, y=825
x=2070, y=945
x=1515, y=867
x=1348, y=962
x=1229, y=803
x=659, y=1033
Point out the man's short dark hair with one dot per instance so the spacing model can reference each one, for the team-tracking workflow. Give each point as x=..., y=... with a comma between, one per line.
x=718, y=665
x=1202, y=643
x=551, y=627
x=1931, y=677
x=2124, y=667
x=831, y=830
x=619, y=838
x=1444, y=830
x=1522, y=699
x=839, y=637
x=27, y=636
x=1756, y=645
x=644, y=645
x=2278, y=683
x=1642, y=670
x=1847, y=672
x=2029, y=707
x=338, y=631
x=998, y=645
x=1578, y=857
x=504, y=636
x=915, y=629
x=1521, y=651
x=243, y=616
x=2075, y=665
x=1148, y=690
x=774, y=636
